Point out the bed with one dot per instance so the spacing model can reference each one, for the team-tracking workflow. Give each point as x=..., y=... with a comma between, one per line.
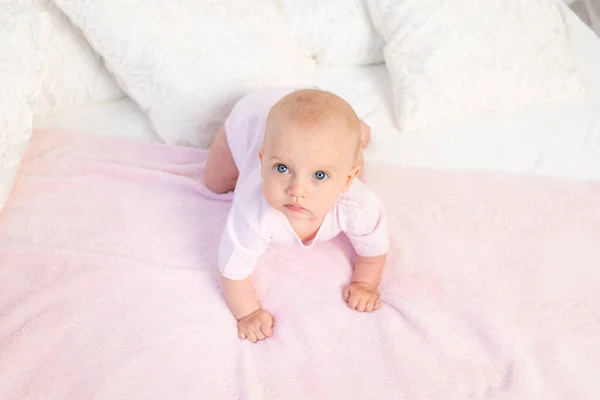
x=107, y=246
x=554, y=139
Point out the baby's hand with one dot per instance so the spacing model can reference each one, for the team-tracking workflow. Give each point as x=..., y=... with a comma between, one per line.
x=256, y=326
x=362, y=297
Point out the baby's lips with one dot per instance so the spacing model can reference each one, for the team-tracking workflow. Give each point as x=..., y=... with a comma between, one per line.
x=294, y=207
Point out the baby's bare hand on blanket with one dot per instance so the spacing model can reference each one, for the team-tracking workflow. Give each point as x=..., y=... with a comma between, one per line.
x=256, y=326
x=362, y=297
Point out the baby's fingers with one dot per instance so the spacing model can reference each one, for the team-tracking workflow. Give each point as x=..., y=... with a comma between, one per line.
x=252, y=336
x=370, y=304
x=258, y=333
x=241, y=335
x=266, y=329
x=346, y=293
x=362, y=304
x=353, y=302
x=377, y=304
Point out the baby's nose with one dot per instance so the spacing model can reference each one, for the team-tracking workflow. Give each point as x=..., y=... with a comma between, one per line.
x=297, y=189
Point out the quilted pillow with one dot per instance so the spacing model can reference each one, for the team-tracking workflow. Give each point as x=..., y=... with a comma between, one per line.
x=449, y=59
x=74, y=75
x=186, y=62
x=21, y=30
x=336, y=32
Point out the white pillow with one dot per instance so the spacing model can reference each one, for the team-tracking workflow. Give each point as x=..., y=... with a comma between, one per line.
x=186, y=62
x=336, y=32
x=21, y=30
x=74, y=75
x=449, y=59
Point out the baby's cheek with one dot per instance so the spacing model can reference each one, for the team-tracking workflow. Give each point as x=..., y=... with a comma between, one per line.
x=270, y=191
x=327, y=198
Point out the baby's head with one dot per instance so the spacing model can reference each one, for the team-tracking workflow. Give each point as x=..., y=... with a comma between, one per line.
x=310, y=153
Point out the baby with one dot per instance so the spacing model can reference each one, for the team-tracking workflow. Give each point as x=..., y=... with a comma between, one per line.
x=293, y=157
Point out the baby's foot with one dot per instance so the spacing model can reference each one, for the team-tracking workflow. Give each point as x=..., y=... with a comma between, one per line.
x=365, y=134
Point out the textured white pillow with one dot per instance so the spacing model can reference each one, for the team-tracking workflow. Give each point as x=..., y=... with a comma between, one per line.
x=74, y=75
x=336, y=32
x=449, y=59
x=21, y=30
x=185, y=62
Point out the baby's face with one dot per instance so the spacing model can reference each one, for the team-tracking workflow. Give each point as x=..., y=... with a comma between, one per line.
x=305, y=171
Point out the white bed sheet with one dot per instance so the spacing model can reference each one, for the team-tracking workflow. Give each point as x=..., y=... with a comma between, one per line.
x=120, y=118
x=554, y=139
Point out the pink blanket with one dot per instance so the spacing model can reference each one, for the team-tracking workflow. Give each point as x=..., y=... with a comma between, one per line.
x=108, y=288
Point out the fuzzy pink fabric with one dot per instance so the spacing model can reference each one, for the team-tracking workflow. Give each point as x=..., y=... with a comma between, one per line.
x=109, y=288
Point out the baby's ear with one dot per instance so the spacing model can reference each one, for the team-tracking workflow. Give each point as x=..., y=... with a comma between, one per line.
x=260, y=156
x=353, y=174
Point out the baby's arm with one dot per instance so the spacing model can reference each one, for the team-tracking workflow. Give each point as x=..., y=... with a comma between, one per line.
x=367, y=231
x=253, y=322
x=240, y=297
x=368, y=270
x=240, y=248
x=361, y=294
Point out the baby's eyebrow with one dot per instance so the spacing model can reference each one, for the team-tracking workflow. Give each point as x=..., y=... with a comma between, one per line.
x=327, y=168
x=279, y=160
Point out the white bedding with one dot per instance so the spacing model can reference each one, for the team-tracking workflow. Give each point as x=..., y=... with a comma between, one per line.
x=557, y=139
x=121, y=118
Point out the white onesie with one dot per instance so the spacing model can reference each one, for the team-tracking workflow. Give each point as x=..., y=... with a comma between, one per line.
x=252, y=224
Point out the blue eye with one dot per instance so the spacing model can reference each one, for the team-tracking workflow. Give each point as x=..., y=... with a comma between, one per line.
x=282, y=169
x=321, y=176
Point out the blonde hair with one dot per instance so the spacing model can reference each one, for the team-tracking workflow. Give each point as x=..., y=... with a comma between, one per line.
x=312, y=107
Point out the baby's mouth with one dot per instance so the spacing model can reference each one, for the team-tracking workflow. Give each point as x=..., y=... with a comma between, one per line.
x=294, y=207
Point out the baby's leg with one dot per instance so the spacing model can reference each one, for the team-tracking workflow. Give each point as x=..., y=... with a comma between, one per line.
x=361, y=163
x=365, y=134
x=220, y=174
x=365, y=138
